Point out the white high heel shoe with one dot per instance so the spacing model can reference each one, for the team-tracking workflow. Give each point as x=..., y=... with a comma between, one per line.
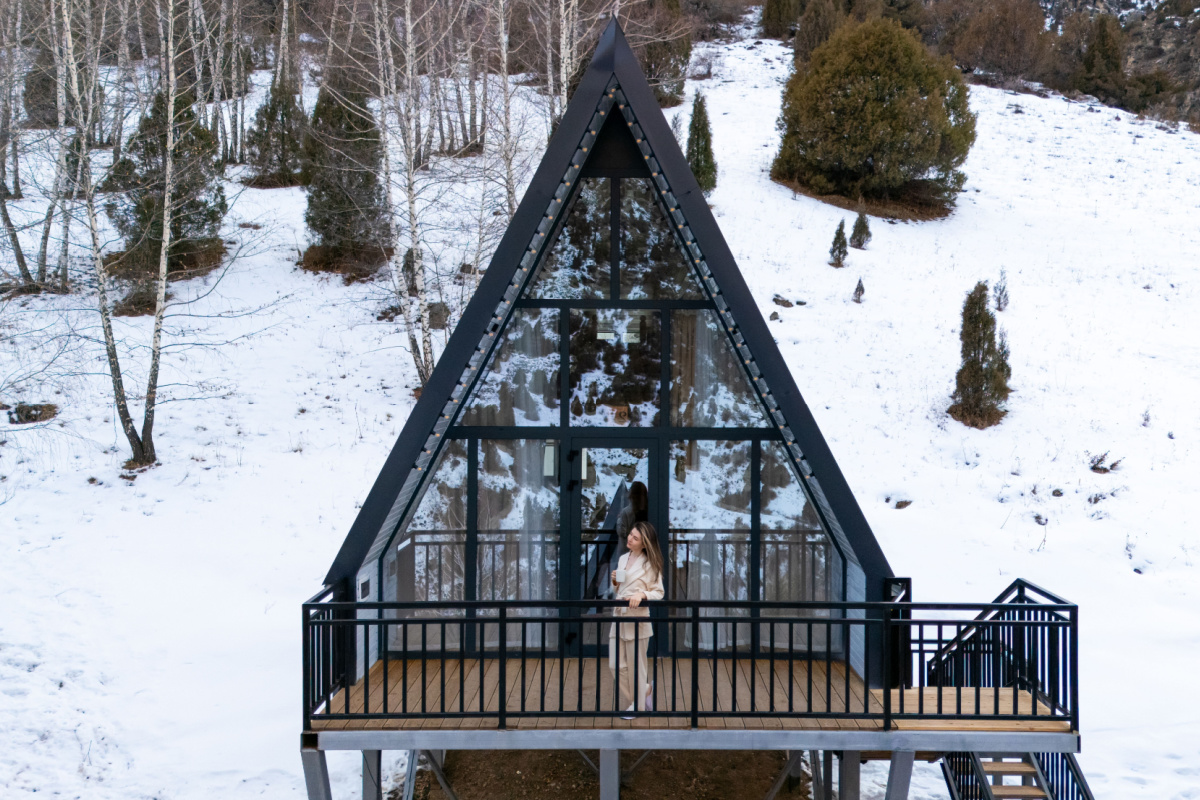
x=629, y=712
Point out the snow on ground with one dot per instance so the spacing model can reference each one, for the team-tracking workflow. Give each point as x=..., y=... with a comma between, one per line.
x=149, y=634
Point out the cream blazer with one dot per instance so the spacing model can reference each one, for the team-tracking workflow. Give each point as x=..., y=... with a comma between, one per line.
x=638, y=579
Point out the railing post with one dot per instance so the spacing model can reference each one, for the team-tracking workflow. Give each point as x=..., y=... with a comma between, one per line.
x=887, y=671
x=695, y=666
x=306, y=660
x=502, y=644
x=1073, y=674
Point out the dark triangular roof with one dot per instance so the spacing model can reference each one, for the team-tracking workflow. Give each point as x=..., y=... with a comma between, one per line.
x=613, y=80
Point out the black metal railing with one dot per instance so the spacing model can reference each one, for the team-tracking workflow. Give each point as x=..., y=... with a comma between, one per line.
x=1063, y=776
x=869, y=661
x=965, y=777
x=1026, y=640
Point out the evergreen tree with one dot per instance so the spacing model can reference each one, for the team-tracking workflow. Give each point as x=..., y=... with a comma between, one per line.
x=861, y=233
x=821, y=18
x=859, y=291
x=342, y=158
x=876, y=115
x=778, y=17
x=981, y=385
x=275, y=140
x=41, y=91
x=197, y=197
x=699, y=146
x=838, y=252
x=1001, y=293
x=1102, y=72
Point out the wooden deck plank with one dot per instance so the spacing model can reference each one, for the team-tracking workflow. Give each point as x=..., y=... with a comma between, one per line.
x=586, y=685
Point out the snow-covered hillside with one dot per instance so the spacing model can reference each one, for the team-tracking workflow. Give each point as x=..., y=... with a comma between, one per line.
x=149, y=634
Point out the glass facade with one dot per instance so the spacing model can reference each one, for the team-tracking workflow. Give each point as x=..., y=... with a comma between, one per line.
x=614, y=395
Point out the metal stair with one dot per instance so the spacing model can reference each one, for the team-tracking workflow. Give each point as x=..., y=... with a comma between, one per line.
x=1007, y=776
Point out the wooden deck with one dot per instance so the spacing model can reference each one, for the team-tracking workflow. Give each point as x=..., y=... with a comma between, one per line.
x=585, y=685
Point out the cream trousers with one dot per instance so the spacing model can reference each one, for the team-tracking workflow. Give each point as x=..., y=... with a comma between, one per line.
x=626, y=652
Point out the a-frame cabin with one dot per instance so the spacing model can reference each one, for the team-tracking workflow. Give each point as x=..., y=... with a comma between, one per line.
x=611, y=368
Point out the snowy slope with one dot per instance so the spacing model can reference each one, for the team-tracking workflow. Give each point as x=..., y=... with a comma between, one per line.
x=149, y=634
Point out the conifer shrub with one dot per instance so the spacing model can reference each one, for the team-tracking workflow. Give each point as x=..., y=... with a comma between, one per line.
x=859, y=291
x=699, y=146
x=820, y=19
x=342, y=157
x=41, y=91
x=861, y=233
x=779, y=17
x=875, y=115
x=197, y=196
x=1004, y=37
x=981, y=385
x=274, y=141
x=838, y=252
x=1001, y=292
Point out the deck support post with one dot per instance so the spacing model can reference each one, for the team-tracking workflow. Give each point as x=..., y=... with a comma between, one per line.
x=795, y=770
x=372, y=774
x=316, y=773
x=849, y=767
x=900, y=775
x=610, y=774
x=827, y=775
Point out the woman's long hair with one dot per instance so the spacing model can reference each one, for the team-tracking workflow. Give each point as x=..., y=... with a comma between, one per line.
x=650, y=546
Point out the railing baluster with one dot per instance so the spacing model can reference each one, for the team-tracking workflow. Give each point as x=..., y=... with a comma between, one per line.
x=695, y=665
x=502, y=654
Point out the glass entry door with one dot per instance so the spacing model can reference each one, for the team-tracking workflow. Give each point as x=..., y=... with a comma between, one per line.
x=610, y=490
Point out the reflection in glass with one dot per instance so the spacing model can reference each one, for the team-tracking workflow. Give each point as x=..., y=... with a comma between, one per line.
x=710, y=533
x=799, y=563
x=518, y=515
x=652, y=265
x=615, y=368
x=612, y=498
x=520, y=385
x=426, y=563
x=578, y=265
x=708, y=386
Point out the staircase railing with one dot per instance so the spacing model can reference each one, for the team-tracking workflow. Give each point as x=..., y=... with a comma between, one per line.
x=1025, y=640
x=1065, y=778
x=965, y=777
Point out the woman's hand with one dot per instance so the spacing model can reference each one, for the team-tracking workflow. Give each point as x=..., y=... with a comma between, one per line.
x=637, y=599
x=613, y=578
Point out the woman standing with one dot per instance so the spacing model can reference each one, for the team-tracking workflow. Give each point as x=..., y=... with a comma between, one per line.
x=637, y=578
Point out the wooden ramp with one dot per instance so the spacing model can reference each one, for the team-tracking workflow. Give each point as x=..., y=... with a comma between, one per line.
x=465, y=694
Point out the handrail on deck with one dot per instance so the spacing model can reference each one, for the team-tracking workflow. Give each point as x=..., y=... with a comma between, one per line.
x=1012, y=659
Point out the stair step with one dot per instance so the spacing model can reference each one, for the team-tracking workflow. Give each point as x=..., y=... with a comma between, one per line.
x=1008, y=768
x=1002, y=792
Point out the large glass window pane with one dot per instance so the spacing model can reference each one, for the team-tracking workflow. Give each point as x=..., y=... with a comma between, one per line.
x=652, y=265
x=520, y=385
x=518, y=516
x=708, y=386
x=709, y=534
x=798, y=562
x=616, y=368
x=578, y=265
x=425, y=563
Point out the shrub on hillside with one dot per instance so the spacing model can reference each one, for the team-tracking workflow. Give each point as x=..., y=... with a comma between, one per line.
x=342, y=158
x=821, y=18
x=1089, y=57
x=1006, y=37
x=861, y=233
x=838, y=250
x=779, y=16
x=41, y=91
x=198, y=201
x=699, y=147
x=274, y=141
x=981, y=385
x=875, y=115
